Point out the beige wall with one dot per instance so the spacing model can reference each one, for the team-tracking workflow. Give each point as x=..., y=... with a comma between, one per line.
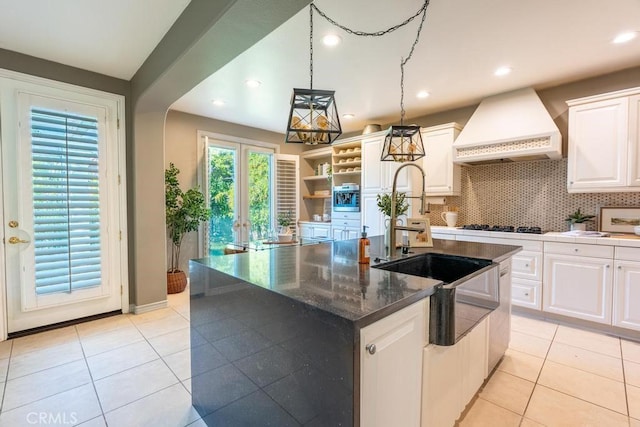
x=180, y=149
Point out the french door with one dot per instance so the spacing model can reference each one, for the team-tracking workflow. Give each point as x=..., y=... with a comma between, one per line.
x=63, y=207
x=247, y=186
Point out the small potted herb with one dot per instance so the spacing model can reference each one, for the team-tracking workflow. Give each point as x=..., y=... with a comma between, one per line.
x=577, y=220
x=284, y=221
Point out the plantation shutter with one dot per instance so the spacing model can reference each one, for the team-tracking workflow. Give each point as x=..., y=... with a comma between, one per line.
x=66, y=211
x=286, y=185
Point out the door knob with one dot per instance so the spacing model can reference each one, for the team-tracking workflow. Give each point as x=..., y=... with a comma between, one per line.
x=15, y=240
x=371, y=348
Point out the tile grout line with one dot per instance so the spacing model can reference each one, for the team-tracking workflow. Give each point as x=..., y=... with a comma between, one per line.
x=93, y=383
x=6, y=379
x=535, y=384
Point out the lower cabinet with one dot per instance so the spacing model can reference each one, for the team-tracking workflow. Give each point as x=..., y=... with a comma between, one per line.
x=626, y=289
x=452, y=376
x=579, y=285
x=391, y=366
x=315, y=231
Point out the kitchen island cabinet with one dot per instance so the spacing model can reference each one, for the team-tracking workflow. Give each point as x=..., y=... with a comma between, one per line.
x=269, y=345
x=391, y=366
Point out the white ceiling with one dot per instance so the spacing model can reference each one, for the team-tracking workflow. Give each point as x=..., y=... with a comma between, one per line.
x=111, y=37
x=546, y=42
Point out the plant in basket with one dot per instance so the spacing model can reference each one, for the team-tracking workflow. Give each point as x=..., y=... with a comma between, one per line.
x=184, y=213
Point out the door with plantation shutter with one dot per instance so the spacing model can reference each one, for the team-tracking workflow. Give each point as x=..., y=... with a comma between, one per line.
x=64, y=259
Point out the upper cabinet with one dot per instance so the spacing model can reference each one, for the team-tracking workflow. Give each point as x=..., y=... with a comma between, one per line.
x=603, y=143
x=377, y=176
x=442, y=175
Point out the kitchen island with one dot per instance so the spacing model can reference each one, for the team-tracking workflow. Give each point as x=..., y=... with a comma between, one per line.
x=276, y=335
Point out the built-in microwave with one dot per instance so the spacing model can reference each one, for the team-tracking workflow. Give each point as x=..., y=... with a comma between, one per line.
x=346, y=198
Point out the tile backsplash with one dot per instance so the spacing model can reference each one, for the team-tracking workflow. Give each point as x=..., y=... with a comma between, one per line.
x=532, y=193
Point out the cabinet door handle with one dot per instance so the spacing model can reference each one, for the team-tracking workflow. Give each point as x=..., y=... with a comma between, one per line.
x=619, y=267
x=371, y=348
x=576, y=249
x=526, y=294
x=608, y=266
x=526, y=265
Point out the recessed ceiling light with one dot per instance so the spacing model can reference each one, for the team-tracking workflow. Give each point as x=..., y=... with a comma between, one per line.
x=252, y=83
x=625, y=37
x=423, y=94
x=502, y=71
x=331, y=40
x=348, y=116
x=218, y=102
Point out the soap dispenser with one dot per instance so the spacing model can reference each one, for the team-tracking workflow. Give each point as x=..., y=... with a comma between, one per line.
x=365, y=243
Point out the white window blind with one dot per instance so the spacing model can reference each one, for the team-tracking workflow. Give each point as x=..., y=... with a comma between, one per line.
x=66, y=213
x=286, y=185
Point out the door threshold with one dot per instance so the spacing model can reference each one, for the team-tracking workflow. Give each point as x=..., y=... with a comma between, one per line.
x=64, y=324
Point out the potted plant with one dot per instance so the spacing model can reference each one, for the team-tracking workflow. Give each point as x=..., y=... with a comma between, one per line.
x=577, y=220
x=184, y=213
x=384, y=205
x=284, y=221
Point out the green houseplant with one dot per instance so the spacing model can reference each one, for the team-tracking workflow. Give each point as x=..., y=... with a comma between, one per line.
x=384, y=204
x=285, y=220
x=184, y=213
x=577, y=220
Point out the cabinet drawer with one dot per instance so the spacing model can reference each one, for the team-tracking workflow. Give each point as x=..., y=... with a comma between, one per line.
x=526, y=293
x=344, y=223
x=527, y=265
x=628, y=254
x=527, y=245
x=348, y=216
x=596, y=251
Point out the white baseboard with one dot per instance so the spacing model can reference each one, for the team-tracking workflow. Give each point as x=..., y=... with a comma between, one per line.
x=139, y=309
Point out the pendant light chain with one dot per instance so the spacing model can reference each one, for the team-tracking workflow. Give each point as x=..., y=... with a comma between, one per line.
x=311, y=45
x=422, y=11
x=405, y=60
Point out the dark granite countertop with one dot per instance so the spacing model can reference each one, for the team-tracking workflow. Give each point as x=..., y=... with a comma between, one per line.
x=327, y=276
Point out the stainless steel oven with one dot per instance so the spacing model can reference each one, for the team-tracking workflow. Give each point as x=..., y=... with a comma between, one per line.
x=346, y=198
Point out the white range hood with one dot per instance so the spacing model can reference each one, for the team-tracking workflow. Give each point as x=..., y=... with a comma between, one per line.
x=508, y=127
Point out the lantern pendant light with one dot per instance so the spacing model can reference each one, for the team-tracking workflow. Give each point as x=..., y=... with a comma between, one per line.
x=404, y=143
x=313, y=118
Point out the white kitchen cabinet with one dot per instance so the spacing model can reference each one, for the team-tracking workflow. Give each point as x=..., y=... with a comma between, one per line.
x=391, y=366
x=526, y=268
x=451, y=377
x=377, y=176
x=344, y=233
x=578, y=281
x=603, y=143
x=442, y=175
x=315, y=231
x=626, y=289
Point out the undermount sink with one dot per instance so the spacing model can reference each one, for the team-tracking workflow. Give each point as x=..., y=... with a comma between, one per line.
x=447, y=268
x=469, y=292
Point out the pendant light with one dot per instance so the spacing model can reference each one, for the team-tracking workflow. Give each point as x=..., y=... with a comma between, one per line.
x=404, y=143
x=313, y=118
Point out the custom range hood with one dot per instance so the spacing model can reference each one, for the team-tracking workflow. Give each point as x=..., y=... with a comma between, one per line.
x=508, y=127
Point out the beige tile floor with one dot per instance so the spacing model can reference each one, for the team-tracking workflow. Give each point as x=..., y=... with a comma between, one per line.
x=555, y=375
x=134, y=371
